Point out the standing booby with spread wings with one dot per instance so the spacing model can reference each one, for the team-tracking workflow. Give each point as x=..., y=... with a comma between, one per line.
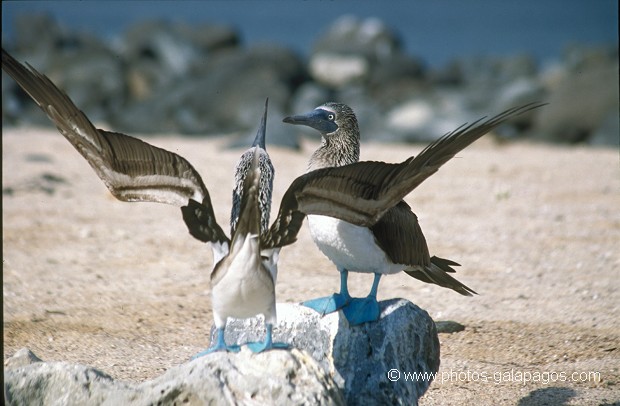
x=394, y=241
x=136, y=171
x=242, y=284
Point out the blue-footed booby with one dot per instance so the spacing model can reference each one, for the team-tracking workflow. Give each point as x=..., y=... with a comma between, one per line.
x=242, y=285
x=393, y=241
x=136, y=171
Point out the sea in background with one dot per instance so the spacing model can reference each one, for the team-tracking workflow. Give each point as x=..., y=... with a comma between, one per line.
x=413, y=70
x=437, y=31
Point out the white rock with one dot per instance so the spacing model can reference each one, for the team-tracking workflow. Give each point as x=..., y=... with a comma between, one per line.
x=274, y=377
x=411, y=116
x=338, y=70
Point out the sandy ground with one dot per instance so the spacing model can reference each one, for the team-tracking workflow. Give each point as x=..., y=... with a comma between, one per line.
x=124, y=288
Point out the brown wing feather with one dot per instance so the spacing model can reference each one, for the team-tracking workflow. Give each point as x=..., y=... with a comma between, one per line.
x=284, y=229
x=201, y=221
x=399, y=235
x=132, y=169
x=362, y=193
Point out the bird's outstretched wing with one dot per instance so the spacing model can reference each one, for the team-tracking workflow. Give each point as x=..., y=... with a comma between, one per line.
x=361, y=193
x=131, y=169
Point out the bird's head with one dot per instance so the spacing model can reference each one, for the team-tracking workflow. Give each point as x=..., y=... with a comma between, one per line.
x=328, y=119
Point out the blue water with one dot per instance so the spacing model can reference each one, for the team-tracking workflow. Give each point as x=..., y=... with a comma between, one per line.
x=435, y=30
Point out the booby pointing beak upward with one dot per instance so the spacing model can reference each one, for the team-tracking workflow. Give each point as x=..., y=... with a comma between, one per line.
x=242, y=286
x=321, y=119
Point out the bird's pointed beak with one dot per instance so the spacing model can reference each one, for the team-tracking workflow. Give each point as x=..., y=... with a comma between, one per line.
x=262, y=129
x=316, y=119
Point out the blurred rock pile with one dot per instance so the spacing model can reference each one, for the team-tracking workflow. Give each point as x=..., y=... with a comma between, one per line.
x=164, y=77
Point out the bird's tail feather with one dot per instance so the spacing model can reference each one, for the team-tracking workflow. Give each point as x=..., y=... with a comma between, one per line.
x=445, y=264
x=436, y=273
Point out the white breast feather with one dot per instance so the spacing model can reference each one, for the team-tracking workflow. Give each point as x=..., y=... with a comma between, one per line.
x=244, y=290
x=349, y=246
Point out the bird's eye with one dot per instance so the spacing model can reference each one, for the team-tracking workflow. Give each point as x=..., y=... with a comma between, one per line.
x=331, y=117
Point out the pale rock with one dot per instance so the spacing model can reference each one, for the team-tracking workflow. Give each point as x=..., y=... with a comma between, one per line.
x=338, y=70
x=274, y=377
x=410, y=116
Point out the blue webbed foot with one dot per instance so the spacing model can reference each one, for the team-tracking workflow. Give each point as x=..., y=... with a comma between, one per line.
x=229, y=348
x=362, y=310
x=328, y=304
x=260, y=347
x=268, y=344
x=220, y=345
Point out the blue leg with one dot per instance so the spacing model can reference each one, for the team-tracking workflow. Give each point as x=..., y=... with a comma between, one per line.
x=330, y=304
x=268, y=344
x=220, y=345
x=366, y=309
